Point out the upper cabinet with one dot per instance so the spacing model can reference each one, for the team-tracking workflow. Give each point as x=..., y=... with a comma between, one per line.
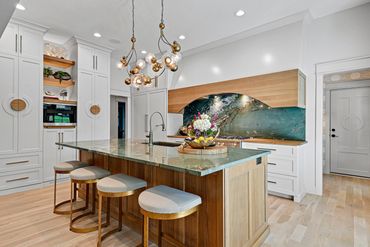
x=19, y=40
x=280, y=89
x=93, y=59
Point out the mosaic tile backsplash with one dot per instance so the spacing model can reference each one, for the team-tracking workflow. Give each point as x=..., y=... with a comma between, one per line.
x=240, y=115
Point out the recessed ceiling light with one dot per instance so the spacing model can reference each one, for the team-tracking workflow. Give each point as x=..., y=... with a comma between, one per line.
x=144, y=52
x=20, y=7
x=240, y=13
x=182, y=37
x=98, y=35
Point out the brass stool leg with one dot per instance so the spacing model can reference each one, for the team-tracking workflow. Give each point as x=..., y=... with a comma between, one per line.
x=197, y=243
x=100, y=204
x=146, y=231
x=55, y=190
x=159, y=233
x=101, y=236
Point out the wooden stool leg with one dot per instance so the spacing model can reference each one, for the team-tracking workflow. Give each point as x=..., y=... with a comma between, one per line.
x=146, y=231
x=99, y=219
x=159, y=233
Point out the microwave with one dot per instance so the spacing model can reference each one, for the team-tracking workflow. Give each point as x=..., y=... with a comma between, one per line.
x=60, y=114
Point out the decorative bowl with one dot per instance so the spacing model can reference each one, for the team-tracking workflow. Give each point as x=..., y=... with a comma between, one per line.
x=192, y=142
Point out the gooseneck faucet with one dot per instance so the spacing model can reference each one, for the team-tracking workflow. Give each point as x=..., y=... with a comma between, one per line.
x=150, y=136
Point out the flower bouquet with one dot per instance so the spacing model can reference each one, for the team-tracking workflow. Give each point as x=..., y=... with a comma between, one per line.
x=202, y=131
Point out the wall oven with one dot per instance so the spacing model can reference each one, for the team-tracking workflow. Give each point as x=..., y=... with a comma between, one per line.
x=56, y=114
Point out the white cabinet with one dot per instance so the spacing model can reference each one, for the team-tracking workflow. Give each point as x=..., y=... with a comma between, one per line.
x=22, y=41
x=54, y=153
x=93, y=59
x=93, y=96
x=285, y=169
x=144, y=105
x=21, y=48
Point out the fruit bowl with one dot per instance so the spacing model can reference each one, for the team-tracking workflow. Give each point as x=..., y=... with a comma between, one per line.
x=201, y=142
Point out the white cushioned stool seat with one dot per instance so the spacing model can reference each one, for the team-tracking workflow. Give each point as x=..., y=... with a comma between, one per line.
x=89, y=173
x=120, y=183
x=69, y=165
x=166, y=200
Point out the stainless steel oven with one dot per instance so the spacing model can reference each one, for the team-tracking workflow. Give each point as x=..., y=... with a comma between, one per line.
x=57, y=114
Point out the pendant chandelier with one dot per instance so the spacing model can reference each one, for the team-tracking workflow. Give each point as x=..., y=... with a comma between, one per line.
x=167, y=60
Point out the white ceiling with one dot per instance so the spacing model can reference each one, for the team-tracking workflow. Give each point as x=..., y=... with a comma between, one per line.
x=201, y=21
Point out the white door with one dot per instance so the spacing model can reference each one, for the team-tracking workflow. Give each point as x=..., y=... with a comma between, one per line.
x=8, y=92
x=68, y=154
x=140, y=116
x=85, y=101
x=30, y=119
x=102, y=62
x=101, y=98
x=86, y=58
x=51, y=152
x=158, y=103
x=350, y=131
x=30, y=43
x=9, y=41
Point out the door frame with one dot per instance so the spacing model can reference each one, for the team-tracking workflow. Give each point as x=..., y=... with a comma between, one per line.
x=128, y=100
x=322, y=69
x=333, y=86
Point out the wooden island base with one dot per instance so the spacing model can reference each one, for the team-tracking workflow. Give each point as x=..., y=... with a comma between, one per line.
x=233, y=210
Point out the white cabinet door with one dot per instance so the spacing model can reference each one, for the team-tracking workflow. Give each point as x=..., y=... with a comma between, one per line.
x=30, y=43
x=158, y=103
x=8, y=91
x=101, y=98
x=140, y=116
x=51, y=152
x=102, y=62
x=86, y=58
x=9, y=41
x=30, y=119
x=68, y=154
x=85, y=101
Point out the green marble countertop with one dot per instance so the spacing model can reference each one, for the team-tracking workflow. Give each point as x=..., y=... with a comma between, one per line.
x=167, y=157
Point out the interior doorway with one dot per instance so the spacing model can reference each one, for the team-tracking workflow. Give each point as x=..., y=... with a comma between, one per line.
x=350, y=131
x=119, y=117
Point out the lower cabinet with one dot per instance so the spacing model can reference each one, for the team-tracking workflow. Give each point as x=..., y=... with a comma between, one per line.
x=285, y=169
x=54, y=153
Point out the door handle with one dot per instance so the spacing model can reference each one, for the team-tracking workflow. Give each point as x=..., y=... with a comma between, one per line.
x=93, y=62
x=21, y=44
x=96, y=63
x=17, y=179
x=58, y=141
x=16, y=43
x=334, y=135
x=62, y=140
x=17, y=162
x=272, y=164
x=271, y=182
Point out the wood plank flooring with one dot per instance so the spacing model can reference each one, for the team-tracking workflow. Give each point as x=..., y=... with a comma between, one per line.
x=340, y=218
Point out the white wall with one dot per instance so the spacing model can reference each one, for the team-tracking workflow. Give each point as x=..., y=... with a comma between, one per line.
x=300, y=45
x=118, y=76
x=263, y=53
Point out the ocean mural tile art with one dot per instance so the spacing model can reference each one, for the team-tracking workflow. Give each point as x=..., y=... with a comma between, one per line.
x=243, y=116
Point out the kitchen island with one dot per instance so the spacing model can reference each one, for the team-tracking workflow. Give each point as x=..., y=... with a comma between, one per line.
x=232, y=187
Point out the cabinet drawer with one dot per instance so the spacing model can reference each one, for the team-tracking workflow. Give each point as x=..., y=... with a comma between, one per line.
x=282, y=166
x=19, y=162
x=16, y=179
x=276, y=150
x=281, y=184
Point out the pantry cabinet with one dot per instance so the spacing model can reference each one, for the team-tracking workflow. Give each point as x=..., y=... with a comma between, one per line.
x=55, y=153
x=93, y=91
x=21, y=48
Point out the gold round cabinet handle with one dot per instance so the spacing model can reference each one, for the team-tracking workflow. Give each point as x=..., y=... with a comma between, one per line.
x=18, y=104
x=95, y=109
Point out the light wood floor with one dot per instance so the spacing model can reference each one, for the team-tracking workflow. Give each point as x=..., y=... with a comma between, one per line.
x=340, y=218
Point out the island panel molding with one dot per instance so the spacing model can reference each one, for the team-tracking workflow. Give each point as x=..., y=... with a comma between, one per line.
x=230, y=197
x=280, y=89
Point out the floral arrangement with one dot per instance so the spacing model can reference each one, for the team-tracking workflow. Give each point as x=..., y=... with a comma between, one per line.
x=202, y=131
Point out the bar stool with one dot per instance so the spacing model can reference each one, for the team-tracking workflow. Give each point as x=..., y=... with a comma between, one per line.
x=116, y=186
x=166, y=203
x=87, y=175
x=66, y=168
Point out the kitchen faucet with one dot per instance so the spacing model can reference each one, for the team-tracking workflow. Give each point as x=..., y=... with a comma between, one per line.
x=150, y=136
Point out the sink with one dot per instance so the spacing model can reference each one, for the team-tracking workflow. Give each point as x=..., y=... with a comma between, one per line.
x=166, y=144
